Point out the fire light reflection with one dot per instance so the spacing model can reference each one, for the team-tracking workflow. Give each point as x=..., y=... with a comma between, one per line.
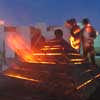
x=75, y=43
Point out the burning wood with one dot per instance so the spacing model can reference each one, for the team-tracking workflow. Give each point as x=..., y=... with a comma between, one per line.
x=26, y=54
x=22, y=77
x=88, y=82
x=48, y=54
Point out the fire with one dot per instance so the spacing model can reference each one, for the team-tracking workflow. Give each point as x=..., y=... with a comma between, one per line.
x=19, y=46
x=44, y=56
x=75, y=43
x=25, y=53
x=55, y=47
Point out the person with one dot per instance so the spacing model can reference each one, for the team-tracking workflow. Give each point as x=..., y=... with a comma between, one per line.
x=59, y=40
x=86, y=22
x=88, y=36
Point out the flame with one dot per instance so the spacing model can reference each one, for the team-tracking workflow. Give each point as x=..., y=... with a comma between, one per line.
x=74, y=54
x=51, y=48
x=19, y=46
x=75, y=43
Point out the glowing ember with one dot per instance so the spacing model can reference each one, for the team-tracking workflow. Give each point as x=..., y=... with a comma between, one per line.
x=74, y=54
x=77, y=60
x=75, y=43
x=51, y=48
x=55, y=47
x=88, y=81
x=49, y=54
x=22, y=77
x=84, y=84
x=97, y=76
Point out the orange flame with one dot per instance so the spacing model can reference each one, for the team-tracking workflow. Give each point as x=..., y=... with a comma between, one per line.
x=21, y=48
x=75, y=43
x=18, y=45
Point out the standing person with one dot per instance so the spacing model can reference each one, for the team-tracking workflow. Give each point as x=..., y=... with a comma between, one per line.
x=67, y=28
x=88, y=36
x=86, y=22
x=73, y=33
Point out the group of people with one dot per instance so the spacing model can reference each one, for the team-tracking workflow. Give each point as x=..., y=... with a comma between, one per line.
x=88, y=36
x=84, y=33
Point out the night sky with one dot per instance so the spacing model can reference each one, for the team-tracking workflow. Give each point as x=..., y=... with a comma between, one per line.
x=52, y=12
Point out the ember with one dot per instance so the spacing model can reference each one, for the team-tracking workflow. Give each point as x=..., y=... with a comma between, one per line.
x=88, y=82
x=21, y=77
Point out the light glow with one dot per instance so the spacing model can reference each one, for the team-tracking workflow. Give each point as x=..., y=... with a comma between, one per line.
x=75, y=43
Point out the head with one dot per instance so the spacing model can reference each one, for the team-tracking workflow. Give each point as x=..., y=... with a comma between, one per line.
x=70, y=23
x=58, y=33
x=85, y=21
